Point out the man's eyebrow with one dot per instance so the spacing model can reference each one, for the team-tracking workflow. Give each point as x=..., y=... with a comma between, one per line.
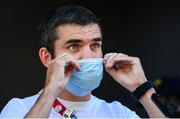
x=97, y=39
x=79, y=40
x=73, y=41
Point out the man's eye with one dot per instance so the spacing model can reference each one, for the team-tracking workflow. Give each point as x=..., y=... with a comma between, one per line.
x=73, y=47
x=95, y=46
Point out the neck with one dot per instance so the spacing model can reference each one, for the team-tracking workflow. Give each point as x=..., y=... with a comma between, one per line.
x=65, y=95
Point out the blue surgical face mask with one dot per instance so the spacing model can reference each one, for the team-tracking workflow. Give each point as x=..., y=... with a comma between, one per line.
x=89, y=77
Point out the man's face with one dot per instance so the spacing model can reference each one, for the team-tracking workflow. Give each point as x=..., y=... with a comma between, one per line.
x=82, y=42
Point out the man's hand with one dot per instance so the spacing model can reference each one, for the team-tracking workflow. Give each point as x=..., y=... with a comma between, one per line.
x=126, y=70
x=59, y=71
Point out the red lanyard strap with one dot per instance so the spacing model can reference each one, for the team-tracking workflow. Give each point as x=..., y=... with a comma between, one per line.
x=63, y=111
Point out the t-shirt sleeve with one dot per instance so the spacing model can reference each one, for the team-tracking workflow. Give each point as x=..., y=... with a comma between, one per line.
x=15, y=108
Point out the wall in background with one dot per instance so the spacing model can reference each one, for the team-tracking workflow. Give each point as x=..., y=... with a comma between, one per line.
x=148, y=30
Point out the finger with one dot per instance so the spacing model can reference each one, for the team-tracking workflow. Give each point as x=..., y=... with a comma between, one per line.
x=109, y=54
x=111, y=71
x=109, y=59
x=119, y=60
x=60, y=57
x=71, y=61
x=69, y=70
x=123, y=64
x=123, y=61
x=109, y=63
x=68, y=60
x=74, y=64
x=123, y=57
x=106, y=56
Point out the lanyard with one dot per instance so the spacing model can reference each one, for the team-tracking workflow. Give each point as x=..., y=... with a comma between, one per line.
x=66, y=113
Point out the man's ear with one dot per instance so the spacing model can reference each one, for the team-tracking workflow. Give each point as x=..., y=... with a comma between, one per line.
x=44, y=56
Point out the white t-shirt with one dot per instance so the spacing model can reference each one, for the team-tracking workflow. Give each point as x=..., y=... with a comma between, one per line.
x=93, y=108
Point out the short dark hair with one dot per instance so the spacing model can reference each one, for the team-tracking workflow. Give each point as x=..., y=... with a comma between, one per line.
x=69, y=14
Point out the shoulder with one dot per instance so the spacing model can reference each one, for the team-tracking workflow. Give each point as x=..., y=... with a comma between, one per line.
x=114, y=109
x=29, y=101
x=17, y=107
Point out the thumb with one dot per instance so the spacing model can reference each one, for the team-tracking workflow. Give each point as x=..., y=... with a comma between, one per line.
x=111, y=71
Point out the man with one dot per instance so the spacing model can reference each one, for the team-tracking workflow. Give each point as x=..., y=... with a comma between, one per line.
x=71, y=40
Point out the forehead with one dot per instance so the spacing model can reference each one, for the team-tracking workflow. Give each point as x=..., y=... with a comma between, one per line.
x=73, y=31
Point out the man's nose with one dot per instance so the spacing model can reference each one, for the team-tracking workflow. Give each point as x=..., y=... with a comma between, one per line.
x=87, y=53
